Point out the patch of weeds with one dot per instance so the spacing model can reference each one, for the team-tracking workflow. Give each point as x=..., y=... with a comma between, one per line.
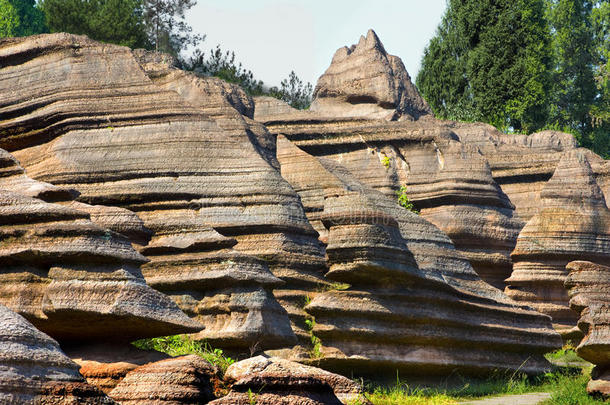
x=252, y=397
x=403, y=200
x=180, y=345
x=316, y=351
x=386, y=162
x=566, y=355
x=571, y=390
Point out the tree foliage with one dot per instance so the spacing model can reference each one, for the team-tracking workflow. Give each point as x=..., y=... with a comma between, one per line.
x=489, y=61
x=20, y=18
x=523, y=65
x=222, y=64
x=116, y=21
x=166, y=26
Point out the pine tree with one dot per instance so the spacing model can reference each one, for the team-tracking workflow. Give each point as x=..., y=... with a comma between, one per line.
x=490, y=61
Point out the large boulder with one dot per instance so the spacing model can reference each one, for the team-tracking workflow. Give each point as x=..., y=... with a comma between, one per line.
x=137, y=134
x=266, y=381
x=33, y=369
x=398, y=273
x=364, y=80
x=589, y=289
x=180, y=380
x=573, y=224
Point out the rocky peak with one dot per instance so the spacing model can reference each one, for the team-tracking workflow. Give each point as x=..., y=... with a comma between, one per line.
x=365, y=81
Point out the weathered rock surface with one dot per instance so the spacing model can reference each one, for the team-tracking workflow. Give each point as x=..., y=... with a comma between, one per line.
x=198, y=162
x=264, y=380
x=451, y=183
x=589, y=289
x=75, y=280
x=365, y=81
x=403, y=274
x=573, y=224
x=180, y=380
x=33, y=370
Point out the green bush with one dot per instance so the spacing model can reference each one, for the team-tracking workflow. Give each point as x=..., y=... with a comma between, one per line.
x=404, y=201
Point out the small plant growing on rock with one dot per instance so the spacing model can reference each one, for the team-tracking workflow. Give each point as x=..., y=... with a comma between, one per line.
x=386, y=162
x=316, y=353
x=404, y=201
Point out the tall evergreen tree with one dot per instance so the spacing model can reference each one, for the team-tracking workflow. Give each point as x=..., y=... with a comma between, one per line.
x=490, y=61
x=20, y=18
x=574, y=91
x=166, y=25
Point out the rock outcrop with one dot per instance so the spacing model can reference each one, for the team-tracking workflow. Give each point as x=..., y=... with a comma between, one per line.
x=180, y=380
x=264, y=380
x=573, y=224
x=365, y=81
x=451, y=183
x=75, y=280
x=198, y=162
x=33, y=370
x=403, y=273
x=589, y=289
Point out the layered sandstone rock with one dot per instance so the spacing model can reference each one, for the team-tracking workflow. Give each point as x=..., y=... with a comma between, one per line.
x=573, y=224
x=403, y=273
x=451, y=183
x=589, y=289
x=180, y=380
x=33, y=370
x=264, y=380
x=365, y=81
x=75, y=280
x=130, y=131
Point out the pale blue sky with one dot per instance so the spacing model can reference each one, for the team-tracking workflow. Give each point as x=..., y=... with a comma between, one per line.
x=273, y=37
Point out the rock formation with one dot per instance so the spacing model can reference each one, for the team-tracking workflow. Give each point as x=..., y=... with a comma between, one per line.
x=573, y=224
x=263, y=381
x=451, y=183
x=198, y=162
x=403, y=273
x=180, y=380
x=75, y=280
x=589, y=289
x=363, y=80
x=33, y=370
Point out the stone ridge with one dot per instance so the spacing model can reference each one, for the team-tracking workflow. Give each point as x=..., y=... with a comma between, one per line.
x=573, y=224
x=164, y=144
x=364, y=80
x=33, y=369
x=393, y=262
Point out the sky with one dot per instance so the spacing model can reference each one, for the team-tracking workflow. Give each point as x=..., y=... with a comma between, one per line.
x=273, y=37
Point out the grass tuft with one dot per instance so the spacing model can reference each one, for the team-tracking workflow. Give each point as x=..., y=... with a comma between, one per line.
x=180, y=345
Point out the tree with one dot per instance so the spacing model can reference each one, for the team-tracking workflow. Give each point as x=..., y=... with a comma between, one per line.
x=293, y=91
x=575, y=90
x=20, y=18
x=116, y=21
x=222, y=64
x=600, y=111
x=490, y=61
x=166, y=25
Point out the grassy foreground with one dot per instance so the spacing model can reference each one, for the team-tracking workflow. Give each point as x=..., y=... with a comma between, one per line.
x=566, y=385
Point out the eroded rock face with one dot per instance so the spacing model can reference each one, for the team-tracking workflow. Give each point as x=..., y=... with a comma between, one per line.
x=34, y=370
x=264, y=380
x=573, y=224
x=75, y=280
x=403, y=273
x=199, y=164
x=588, y=285
x=451, y=183
x=180, y=380
x=365, y=81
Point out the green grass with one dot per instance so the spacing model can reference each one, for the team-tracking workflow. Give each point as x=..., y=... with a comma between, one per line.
x=180, y=345
x=567, y=387
x=566, y=355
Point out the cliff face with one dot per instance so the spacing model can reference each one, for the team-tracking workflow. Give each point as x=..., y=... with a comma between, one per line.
x=271, y=226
